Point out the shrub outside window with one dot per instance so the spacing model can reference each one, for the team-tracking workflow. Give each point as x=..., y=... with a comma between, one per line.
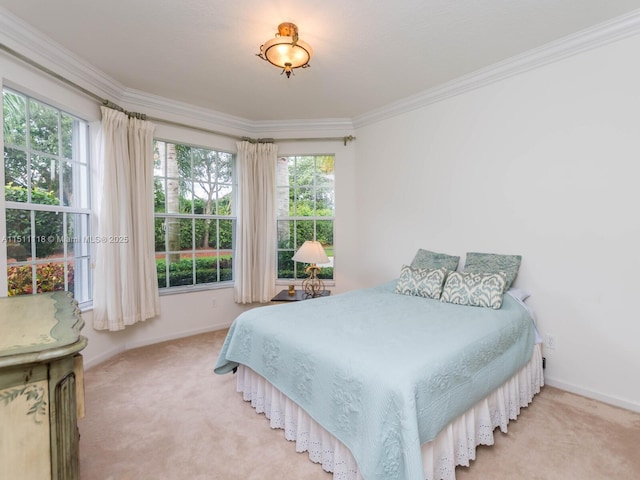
x=306, y=210
x=194, y=221
x=47, y=201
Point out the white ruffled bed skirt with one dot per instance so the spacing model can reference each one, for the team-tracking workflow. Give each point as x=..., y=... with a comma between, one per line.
x=455, y=445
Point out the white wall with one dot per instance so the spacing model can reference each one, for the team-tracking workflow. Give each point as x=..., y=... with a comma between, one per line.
x=544, y=164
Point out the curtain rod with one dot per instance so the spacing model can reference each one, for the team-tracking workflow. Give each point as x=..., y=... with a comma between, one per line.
x=142, y=116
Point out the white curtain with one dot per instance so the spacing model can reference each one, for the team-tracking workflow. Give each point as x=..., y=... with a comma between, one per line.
x=255, y=256
x=125, y=278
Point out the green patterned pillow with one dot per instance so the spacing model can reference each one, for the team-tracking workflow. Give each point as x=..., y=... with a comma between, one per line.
x=421, y=282
x=493, y=263
x=428, y=259
x=474, y=289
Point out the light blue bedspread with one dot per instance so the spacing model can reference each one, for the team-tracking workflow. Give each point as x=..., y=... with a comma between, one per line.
x=382, y=372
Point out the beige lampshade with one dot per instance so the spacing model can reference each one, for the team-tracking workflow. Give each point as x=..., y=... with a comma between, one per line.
x=311, y=251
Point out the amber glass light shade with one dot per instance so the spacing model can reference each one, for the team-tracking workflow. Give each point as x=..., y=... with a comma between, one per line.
x=286, y=50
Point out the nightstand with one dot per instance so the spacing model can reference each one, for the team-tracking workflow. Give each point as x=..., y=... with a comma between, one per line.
x=284, y=296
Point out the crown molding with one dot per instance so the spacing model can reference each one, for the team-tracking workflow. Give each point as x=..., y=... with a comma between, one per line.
x=236, y=125
x=326, y=127
x=588, y=39
x=154, y=105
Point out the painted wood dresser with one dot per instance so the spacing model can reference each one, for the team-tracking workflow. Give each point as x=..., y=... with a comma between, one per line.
x=41, y=386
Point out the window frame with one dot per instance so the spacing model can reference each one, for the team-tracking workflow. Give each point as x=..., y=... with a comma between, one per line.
x=81, y=254
x=298, y=268
x=233, y=184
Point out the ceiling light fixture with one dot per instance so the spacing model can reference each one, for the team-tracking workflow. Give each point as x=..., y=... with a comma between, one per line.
x=286, y=50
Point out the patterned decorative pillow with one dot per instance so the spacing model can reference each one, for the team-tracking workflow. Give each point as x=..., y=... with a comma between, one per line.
x=421, y=282
x=474, y=289
x=493, y=263
x=428, y=259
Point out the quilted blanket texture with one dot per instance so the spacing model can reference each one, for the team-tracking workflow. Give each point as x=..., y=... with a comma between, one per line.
x=382, y=372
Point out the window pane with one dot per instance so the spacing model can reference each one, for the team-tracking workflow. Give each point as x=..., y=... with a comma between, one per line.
x=291, y=161
x=206, y=234
x=207, y=268
x=325, y=172
x=178, y=163
x=160, y=229
x=284, y=202
x=66, y=135
x=225, y=167
x=286, y=265
x=19, y=234
x=48, y=233
x=159, y=159
x=305, y=171
x=67, y=183
x=226, y=266
x=283, y=173
x=305, y=200
x=227, y=234
x=180, y=271
x=324, y=232
x=78, y=279
x=77, y=236
x=324, y=203
x=161, y=268
x=159, y=195
x=187, y=240
x=16, y=172
x=205, y=195
x=326, y=273
x=285, y=234
x=53, y=276
x=44, y=180
x=173, y=196
x=179, y=234
x=78, y=194
x=225, y=200
x=204, y=166
x=43, y=127
x=15, y=119
x=304, y=231
x=185, y=197
x=20, y=279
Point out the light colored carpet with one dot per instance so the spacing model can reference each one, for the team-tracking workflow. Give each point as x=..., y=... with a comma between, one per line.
x=159, y=412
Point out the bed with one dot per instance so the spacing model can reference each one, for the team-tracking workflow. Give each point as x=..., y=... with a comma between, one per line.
x=380, y=384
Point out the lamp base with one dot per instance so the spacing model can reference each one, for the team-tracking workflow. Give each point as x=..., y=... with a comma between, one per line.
x=313, y=286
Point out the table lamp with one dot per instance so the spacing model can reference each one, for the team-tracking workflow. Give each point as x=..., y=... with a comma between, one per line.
x=311, y=252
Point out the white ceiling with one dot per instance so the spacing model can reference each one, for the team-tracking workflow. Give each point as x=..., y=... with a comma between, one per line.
x=367, y=53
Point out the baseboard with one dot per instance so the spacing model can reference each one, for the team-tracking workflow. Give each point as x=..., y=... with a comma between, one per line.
x=609, y=399
x=151, y=341
x=175, y=335
x=103, y=357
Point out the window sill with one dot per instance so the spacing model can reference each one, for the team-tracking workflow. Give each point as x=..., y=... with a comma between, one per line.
x=298, y=283
x=194, y=288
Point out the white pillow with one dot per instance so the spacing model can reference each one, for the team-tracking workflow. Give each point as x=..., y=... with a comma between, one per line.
x=519, y=293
